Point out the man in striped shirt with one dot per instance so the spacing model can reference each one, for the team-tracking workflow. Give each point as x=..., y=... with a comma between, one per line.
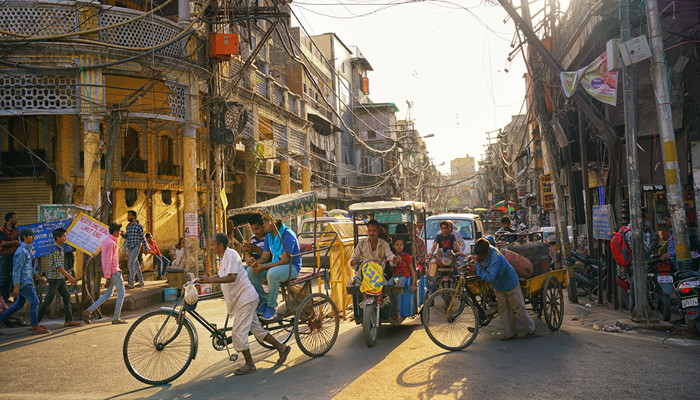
x=134, y=240
x=57, y=279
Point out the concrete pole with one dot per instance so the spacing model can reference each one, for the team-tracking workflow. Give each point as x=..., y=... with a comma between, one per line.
x=189, y=178
x=586, y=190
x=250, y=170
x=285, y=183
x=306, y=175
x=660, y=79
x=183, y=11
x=633, y=183
x=92, y=172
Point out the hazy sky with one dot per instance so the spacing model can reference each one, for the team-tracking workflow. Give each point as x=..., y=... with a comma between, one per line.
x=449, y=61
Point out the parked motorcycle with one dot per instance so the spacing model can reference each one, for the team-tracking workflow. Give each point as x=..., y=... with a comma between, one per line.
x=688, y=291
x=660, y=286
x=587, y=278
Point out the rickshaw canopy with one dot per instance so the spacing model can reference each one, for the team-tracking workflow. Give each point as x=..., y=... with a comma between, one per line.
x=387, y=205
x=279, y=208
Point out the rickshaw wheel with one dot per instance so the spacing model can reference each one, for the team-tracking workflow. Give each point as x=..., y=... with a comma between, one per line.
x=316, y=324
x=370, y=324
x=281, y=334
x=553, y=303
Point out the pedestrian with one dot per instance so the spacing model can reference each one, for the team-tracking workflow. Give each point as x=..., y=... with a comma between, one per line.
x=8, y=245
x=176, y=252
x=22, y=272
x=159, y=259
x=111, y=271
x=241, y=301
x=134, y=240
x=493, y=267
x=57, y=279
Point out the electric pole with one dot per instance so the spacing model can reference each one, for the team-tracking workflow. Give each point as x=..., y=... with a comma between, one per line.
x=660, y=79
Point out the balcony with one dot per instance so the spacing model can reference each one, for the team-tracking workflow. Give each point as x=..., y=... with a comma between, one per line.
x=168, y=169
x=134, y=165
x=21, y=163
x=57, y=17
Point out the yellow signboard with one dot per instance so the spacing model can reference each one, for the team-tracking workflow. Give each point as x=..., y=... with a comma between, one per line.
x=547, y=195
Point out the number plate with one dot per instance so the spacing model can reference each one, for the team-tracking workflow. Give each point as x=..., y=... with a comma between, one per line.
x=369, y=301
x=691, y=302
x=665, y=279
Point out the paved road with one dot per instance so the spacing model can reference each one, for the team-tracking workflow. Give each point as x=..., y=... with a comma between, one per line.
x=576, y=362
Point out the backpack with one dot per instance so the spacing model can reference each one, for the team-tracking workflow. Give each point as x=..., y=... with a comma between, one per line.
x=620, y=249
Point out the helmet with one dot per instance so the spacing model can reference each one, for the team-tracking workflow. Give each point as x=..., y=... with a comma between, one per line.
x=624, y=284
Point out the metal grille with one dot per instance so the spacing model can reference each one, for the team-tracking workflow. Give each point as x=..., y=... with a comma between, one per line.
x=297, y=142
x=293, y=102
x=177, y=101
x=277, y=95
x=29, y=93
x=38, y=20
x=302, y=109
x=279, y=133
x=146, y=32
x=261, y=85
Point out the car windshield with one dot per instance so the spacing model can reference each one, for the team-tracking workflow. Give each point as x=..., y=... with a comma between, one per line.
x=309, y=226
x=463, y=226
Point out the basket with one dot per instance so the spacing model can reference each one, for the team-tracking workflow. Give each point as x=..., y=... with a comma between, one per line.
x=170, y=294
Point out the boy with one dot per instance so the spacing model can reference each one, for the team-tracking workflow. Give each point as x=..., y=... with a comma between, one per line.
x=22, y=272
x=159, y=259
x=241, y=301
x=403, y=268
x=505, y=229
x=445, y=240
x=57, y=279
x=111, y=271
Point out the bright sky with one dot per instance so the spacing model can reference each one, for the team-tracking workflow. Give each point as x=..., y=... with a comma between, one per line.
x=449, y=61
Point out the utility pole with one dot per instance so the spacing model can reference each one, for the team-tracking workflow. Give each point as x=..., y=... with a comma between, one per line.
x=660, y=79
x=633, y=184
x=586, y=192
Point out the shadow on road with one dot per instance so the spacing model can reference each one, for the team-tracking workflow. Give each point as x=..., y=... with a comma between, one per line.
x=13, y=339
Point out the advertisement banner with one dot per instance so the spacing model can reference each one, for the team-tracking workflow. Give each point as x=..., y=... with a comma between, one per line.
x=191, y=225
x=595, y=79
x=547, y=195
x=56, y=212
x=43, y=237
x=87, y=234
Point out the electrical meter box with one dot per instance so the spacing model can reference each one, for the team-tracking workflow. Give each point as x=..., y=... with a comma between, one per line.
x=223, y=45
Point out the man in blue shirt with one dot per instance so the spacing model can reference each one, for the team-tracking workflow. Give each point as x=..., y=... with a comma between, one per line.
x=275, y=265
x=493, y=267
x=22, y=273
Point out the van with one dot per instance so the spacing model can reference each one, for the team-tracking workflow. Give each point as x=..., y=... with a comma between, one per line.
x=306, y=236
x=470, y=226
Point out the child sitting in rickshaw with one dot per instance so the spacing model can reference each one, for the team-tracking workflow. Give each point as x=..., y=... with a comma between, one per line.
x=402, y=267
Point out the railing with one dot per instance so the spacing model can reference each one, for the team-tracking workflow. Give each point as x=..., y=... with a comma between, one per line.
x=318, y=106
x=168, y=169
x=261, y=86
x=277, y=95
x=133, y=165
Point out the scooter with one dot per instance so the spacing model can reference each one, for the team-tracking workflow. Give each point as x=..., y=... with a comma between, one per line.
x=660, y=286
x=441, y=271
x=587, y=279
x=688, y=290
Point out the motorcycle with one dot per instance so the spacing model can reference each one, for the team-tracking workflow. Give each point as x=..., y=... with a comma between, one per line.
x=660, y=286
x=441, y=271
x=587, y=278
x=688, y=290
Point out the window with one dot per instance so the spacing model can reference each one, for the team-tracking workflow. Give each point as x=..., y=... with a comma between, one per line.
x=131, y=144
x=166, y=196
x=165, y=149
x=130, y=197
x=371, y=135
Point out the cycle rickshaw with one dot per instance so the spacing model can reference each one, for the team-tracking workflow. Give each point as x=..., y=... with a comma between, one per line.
x=161, y=344
x=399, y=218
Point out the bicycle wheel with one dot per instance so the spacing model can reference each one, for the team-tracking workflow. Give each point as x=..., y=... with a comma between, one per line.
x=153, y=363
x=454, y=330
x=316, y=325
x=279, y=332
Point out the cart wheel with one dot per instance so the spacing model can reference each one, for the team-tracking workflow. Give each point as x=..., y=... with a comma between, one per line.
x=278, y=331
x=316, y=324
x=452, y=325
x=553, y=303
x=370, y=324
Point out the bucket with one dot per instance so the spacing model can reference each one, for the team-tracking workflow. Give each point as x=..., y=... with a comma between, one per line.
x=170, y=294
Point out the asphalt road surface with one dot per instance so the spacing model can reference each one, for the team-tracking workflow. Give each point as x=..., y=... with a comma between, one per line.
x=576, y=362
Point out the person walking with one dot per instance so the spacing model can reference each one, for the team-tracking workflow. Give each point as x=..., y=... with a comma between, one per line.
x=111, y=271
x=22, y=273
x=134, y=240
x=9, y=243
x=159, y=259
x=57, y=279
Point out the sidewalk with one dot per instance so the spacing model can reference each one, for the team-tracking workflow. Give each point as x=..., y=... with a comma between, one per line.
x=137, y=298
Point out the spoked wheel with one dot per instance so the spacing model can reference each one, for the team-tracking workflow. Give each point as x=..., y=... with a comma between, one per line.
x=661, y=303
x=581, y=285
x=553, y=303
x=157, y=362
x=452, y=325
x=316, y=324
x=279, y=332
x=370, y=324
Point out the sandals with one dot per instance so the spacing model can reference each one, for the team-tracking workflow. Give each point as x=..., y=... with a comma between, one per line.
x=531, y=335
x=284, y=355
x=510, y=338
x=244, y=370
x=41, y=331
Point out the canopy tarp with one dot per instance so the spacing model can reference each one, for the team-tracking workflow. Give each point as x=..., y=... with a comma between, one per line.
x=279, y=208
x=387, y=205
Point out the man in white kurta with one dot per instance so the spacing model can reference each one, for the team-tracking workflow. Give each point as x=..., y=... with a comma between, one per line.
x=241, y=301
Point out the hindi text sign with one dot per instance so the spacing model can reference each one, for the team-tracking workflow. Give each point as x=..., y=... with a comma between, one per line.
x=87, y=234
x=602, y=224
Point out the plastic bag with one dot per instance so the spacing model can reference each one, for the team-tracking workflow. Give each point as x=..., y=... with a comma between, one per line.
x=191, y=295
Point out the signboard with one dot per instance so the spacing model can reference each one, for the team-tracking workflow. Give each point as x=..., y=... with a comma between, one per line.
x=191, y=225
x=43, y=237
x=267, y=184
x=595, y=79
x=653, y=188
x=224, y=198
x=87, y=234
x=56, y=212
x=547, y=195
x=602, y=222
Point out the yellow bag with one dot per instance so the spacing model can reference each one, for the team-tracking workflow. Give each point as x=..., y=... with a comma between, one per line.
x=372, y=277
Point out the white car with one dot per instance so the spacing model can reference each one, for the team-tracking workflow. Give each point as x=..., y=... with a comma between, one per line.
x=469, y=226
x=306, y=237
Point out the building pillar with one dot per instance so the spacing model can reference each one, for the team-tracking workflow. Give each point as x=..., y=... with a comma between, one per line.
x=250, y=185
x=285, y=183
x=306, y=175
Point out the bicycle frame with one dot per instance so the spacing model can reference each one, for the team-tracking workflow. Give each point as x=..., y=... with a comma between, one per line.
x=462, y=289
